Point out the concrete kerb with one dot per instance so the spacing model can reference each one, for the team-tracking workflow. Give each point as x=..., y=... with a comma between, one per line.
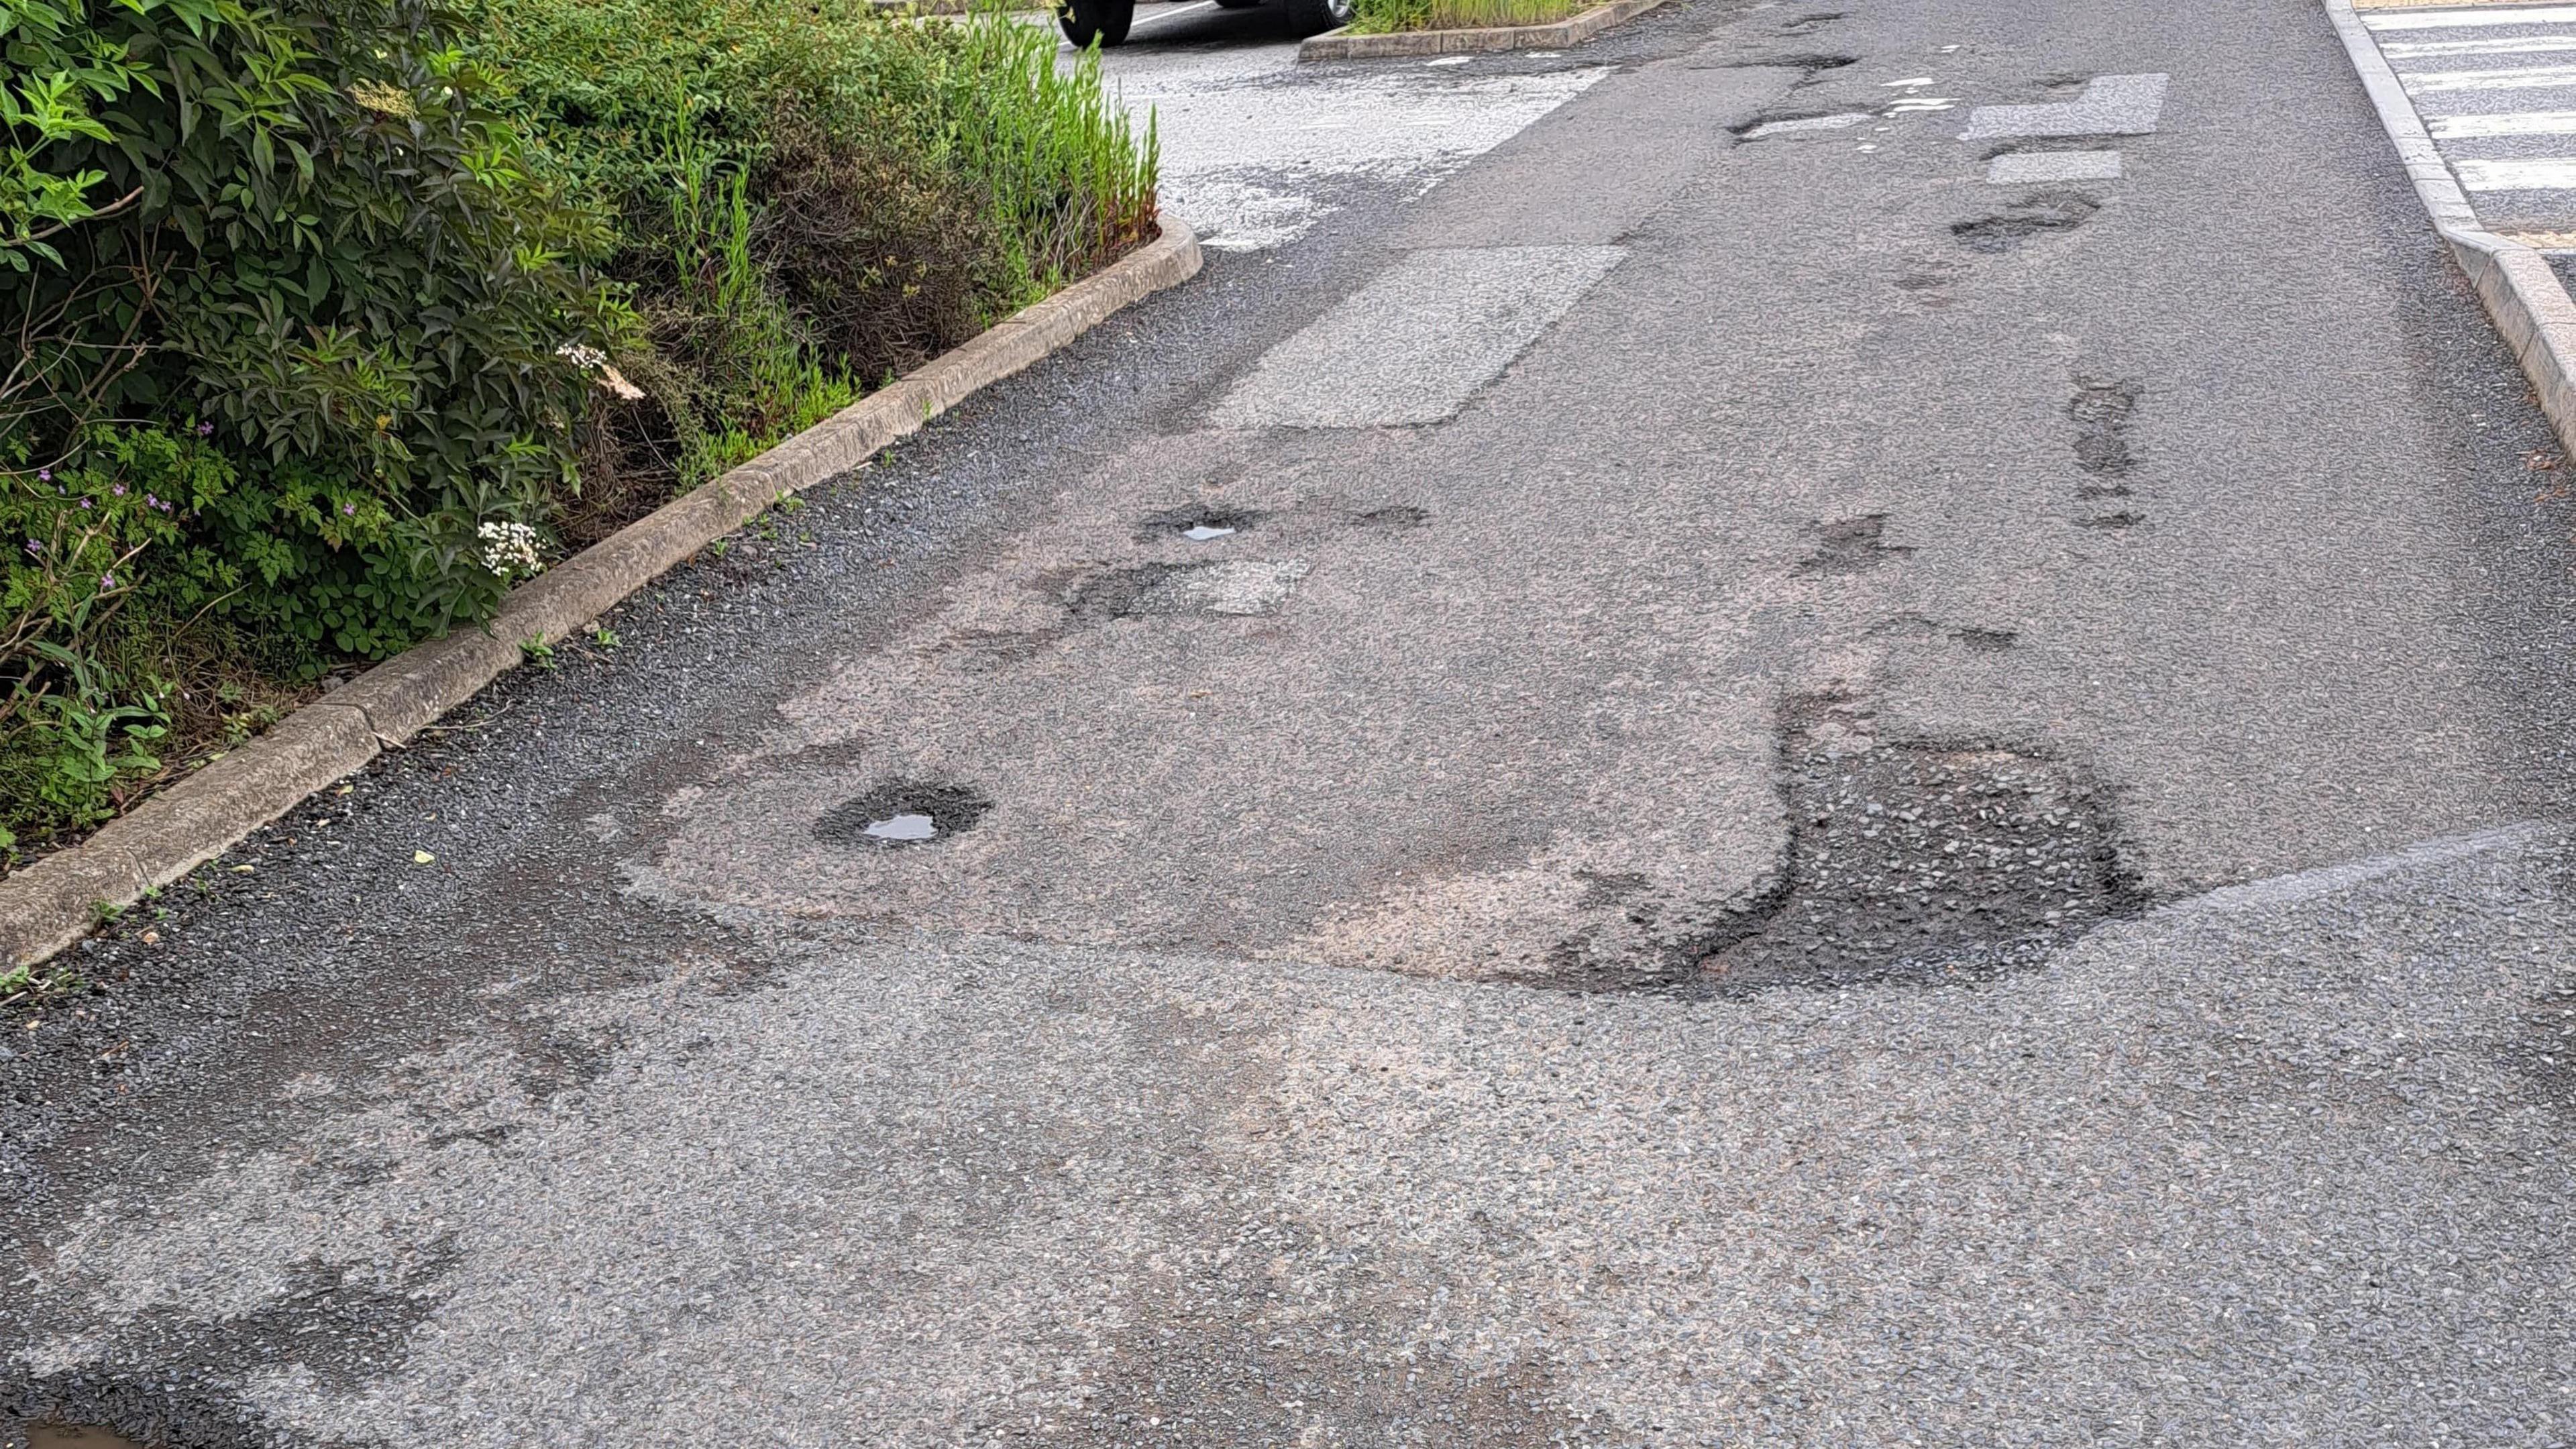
x=1573, y=30
x=59, y=899
x=2520, y=290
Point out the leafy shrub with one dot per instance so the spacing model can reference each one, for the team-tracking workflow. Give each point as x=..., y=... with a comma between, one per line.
x=281, y=269
x=807, y=199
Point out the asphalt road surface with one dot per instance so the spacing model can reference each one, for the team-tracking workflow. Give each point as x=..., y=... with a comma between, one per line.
x=1681, y=761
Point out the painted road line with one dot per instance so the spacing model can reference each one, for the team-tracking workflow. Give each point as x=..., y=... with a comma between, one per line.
x=1174, y=14
x=2508, y=45
x=1804, y=124
x=2557, y=173
x=2511, y=123
x=1418, y=341
x=2023, y=168
x=2538, y=77
x=2463, y=19
x=2111, y=105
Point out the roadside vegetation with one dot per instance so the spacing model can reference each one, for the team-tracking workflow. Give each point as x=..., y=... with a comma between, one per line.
x=330, y=320
x=1380, y=17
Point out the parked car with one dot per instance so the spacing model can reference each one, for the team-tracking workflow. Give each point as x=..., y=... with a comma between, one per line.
x=1106, y=21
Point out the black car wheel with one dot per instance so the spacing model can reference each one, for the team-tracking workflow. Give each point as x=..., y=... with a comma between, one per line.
x=1103, y=21
x=1315, y=16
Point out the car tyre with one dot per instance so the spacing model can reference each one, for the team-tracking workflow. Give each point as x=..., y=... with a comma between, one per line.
x=1103, y=21
x=1313, y=17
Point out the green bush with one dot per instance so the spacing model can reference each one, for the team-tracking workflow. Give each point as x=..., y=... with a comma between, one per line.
x=808, y=198
x=329, y=309
x=281, y=269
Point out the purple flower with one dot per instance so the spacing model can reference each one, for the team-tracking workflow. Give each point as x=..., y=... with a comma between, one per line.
x=205, y=430
x=120, y=490
x=34, y=548
x=44, y=475
x=151, y=502
x=84, y=505
x=348, y=508
x=107, y=581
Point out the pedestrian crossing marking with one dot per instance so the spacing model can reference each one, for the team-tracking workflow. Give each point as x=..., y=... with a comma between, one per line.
x=2514, y=123
x=2554, y=173
x=2463, y=18
x=2530, y=78
x=2499, y=45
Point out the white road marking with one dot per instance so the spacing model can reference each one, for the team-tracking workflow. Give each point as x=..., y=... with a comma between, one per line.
x=1809, y=123
x=2462, y=19
x=2516, y=123
x=2538, y=77
x=1920, y=80
x=2554, y=174
x=2508, y=45
x=1922, y=103
x=1450, y=60
x=1418, y=341
x=2111, y=105
x=2022, y=168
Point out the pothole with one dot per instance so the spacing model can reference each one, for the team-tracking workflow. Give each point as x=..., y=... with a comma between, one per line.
x=76, y=1436
x=2112, y=520
x=1850, y=546
x=1923, y=862
x=2101, y=412
x=1237, y=586
x=1395, y=515
x=2045, y=212
x=1198, y=524
x=903, y=813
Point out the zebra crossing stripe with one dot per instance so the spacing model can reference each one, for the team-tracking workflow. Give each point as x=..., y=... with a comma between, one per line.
x=2536, y=77
x=2517, y=123
x=2554, y=174
x=2502, y=45
x=2463, y=19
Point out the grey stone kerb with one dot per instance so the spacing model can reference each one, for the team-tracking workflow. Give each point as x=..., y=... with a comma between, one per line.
x=2111, y=105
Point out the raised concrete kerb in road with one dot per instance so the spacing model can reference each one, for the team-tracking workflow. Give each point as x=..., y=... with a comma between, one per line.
x=56, y=901
x=1573, y=30
x=2522, y=292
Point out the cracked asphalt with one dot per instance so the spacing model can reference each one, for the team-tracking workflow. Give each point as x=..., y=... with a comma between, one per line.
x=1618, y=785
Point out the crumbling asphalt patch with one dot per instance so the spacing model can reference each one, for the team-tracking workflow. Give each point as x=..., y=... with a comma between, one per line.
x=2041, y=212
x=1850, y=546
x=1197, y=522
x=1913, y=861
x=883, y=817
x=2101, y=411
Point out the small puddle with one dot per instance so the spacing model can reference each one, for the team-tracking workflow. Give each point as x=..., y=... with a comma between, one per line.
x=1198, y=522
x=75, y=1436
x=902, y=827
x=902, y=813
x=1202, y=532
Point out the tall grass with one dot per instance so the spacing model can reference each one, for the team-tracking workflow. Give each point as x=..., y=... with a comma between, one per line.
x=1378, y=17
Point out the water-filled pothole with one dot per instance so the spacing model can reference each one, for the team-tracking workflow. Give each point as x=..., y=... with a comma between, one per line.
x=903, y=812
x=1199, y=523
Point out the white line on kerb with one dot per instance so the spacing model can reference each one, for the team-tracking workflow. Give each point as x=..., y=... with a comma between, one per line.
x=2462, y=19
x=2507, y=45
x=2556, y=174
x=2517, y=123
x=2530, y=78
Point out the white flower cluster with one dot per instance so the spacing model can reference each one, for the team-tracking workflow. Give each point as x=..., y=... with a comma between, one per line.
x=591, y=359
x=509, y=548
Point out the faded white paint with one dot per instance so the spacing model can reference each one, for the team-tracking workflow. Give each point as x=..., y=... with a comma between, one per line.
x=2555, y=173
x=2512, y=123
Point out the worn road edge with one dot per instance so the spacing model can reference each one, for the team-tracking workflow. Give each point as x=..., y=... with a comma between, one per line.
x=1573, y=30
x=57, y=900
x=2522, y=292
